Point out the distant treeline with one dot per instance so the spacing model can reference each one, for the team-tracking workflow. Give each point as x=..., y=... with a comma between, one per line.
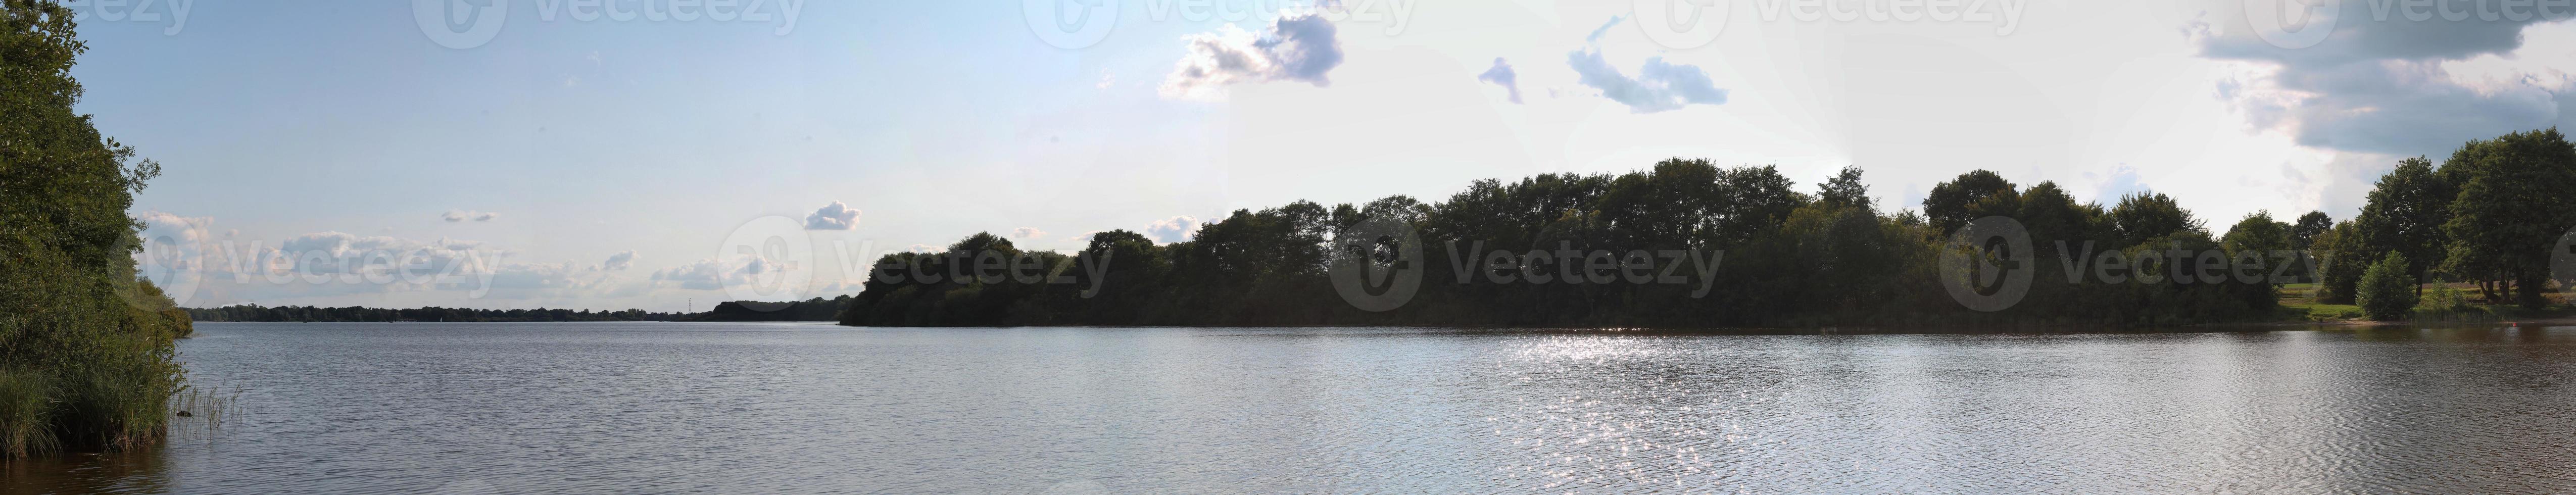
x=1791, y=258
x=816, y=309
x=310, y=314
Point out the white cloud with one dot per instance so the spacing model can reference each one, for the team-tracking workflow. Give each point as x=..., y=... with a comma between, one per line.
x=619, y=261
x=463, y=215
x=835, y=216
x=1296, y=47
x=1658, y=87
x=715, y=274
x=1027, y=233
x=1175, y=229
x=1502, y=75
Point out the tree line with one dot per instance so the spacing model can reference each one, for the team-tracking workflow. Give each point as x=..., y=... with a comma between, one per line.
x=1790, y=258
x=815, y=309
x=2488, y=215
x=354, y=314
x=87, y=353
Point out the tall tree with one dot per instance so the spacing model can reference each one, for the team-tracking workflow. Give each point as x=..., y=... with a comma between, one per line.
x=2511, y=211
x=2259, y=233
x=1953, y=204
x=2303, y=234
x=2148, y=215
x=2405, y=214
x=72, y=310
x=1844, y=190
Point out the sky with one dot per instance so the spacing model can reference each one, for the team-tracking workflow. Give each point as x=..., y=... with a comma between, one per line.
x=668, y=154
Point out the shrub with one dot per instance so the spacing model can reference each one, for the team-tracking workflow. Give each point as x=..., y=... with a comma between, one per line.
x=2387, y=290
x=26, y=402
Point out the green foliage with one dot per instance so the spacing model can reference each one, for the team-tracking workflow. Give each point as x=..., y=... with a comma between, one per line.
x=26, y=410
x=1845, y=190
x=2258, y=232
x=2512, y=206
x=2387, y=290
x=2310, y=227
x=2147, y=215
x=1973, y=195
x=310, y=314
x=79, y=332
x=2405, y=214
x=1790, y=259
x=2345, y=256
x=2443, y=298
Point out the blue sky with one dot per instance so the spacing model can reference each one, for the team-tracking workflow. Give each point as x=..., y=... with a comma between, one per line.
x=606, y=163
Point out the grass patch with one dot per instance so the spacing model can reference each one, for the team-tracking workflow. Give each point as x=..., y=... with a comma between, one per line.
x=26, y=410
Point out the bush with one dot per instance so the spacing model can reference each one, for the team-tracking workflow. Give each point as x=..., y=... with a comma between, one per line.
x=86, y=353
x=2387, y=290
x=26, y=399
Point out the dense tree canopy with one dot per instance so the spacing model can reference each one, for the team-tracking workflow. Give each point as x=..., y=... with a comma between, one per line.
x=2405, y=214
x=1506, y=253
x=86, y=353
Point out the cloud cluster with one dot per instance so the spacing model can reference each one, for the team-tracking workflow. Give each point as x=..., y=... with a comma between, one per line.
x=715, y=274
x=1658, y=87
x=2385, y=82
x=1175, y=229
x=1296, y=47
x=619, y=261
x=1502, y=75
x=835, y=216
x=453, y=216
x=335, y=268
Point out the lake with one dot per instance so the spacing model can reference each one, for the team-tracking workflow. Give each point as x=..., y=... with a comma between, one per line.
x=807, y=408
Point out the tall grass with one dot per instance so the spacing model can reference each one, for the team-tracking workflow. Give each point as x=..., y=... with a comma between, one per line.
x=206, y=407
x=26, y=403
x=114, y=409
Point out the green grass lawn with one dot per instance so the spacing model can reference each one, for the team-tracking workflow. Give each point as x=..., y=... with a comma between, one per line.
x=2299, y=303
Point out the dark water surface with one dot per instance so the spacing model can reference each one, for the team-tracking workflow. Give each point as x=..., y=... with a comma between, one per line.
x=754, y=408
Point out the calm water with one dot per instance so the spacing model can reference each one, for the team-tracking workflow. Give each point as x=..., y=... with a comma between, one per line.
x=512, y=408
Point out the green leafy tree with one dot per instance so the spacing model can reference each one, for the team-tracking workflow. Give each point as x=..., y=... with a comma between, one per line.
x=1953, y=204
x=2304, y=233
x=2405, y=214
x=2148, y=215
x=85, y=346
x=1844, y=190
x=2259, y=233
x=2388, y=291
x=2511, y=210
x=2345, y=254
